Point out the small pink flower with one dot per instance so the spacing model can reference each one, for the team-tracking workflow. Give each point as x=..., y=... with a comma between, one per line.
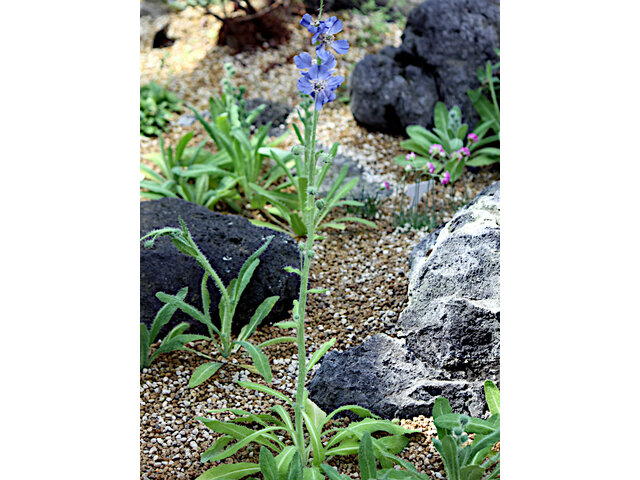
x=472, y=137
x=410, y=156
x=385, y=186
x=431, y=167
x=445, y=178
x=464, y=151
x=408, y=168
x=436, y=149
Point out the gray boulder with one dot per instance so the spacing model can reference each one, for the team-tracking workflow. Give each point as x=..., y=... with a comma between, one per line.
x=449, y=333
x=444, y=42
x=226, y=241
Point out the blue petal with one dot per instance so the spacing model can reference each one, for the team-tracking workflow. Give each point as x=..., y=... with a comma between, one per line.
x=341, y=46
x=328, y=61
x=303, y=61
x=306, y=20
x=324, y=54
x=314, y=39
x=314, y=71
x=321, y=99
x=335, y=27
x=335, y=82
x=304, y=85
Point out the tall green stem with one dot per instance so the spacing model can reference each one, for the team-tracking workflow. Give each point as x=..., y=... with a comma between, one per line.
x=309, y=215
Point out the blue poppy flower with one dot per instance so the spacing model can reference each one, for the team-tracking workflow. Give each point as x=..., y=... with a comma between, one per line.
x=320, y=83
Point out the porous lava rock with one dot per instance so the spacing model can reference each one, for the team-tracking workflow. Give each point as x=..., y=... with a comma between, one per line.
x=443, y=45
x=448, y=335
x=274, y=112
x=226, y=241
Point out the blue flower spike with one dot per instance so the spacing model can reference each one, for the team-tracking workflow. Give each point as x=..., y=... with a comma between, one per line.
x=317, y=78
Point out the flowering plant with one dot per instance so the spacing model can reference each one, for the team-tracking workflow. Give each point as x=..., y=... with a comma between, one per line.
x=305, y=457
x=449, y=147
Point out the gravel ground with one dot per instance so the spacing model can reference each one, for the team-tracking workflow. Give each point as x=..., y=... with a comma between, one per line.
x=366, y=270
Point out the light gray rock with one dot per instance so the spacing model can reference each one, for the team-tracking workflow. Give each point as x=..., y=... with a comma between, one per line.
x=449, y=333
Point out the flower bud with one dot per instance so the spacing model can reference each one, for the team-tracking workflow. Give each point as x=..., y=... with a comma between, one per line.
x=312, y=191
x=301, y=246
x=384, y=186
x=408, y=168
x=311, y=254
x=431, y=167
x=410, y=156
x=436, y=149
x=464, y=151
x=298, y=150
x=325, y=158
x=472, y=137
x=320, y=204
x=457, y=431
x=445, y=178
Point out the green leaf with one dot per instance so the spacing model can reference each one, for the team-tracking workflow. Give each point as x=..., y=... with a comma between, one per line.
x=291, y=269
x=260, y=223
x=203, y=373
x=144, y=346
x=238, y=432
x=260, y=360
x=471, y=472
x=366, y=458
x=268, y=466
x=312, y=473
x=392, y=443
x=441, y=406
x=258, y=316
x=441, y=118
x=358, y=410
x=332, y=473
x=449, y=453
x=253, y=437
x=482, y=161
x=178, y=330
x=318, y=354
x=492, y=395
x=275, y=341
x=185, y=307
x=230, y=471
x=317, y=290
x=267, y=390
x=450, y=421
x=315, y=438
x=286, y=324
x=218, y=446
x=283, y=459
x=284, y=415
x=295, y=468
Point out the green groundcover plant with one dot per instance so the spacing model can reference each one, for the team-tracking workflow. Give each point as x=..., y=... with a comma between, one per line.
x=157, y=105
x=219, y=332
x=194, y=175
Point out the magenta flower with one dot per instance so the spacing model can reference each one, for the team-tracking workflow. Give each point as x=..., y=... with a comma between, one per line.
x=472, y=137
x=431, y=167
x=410, y=156
x=385, y=185
x=445, y=178
x=436, y=149
x=464, y=151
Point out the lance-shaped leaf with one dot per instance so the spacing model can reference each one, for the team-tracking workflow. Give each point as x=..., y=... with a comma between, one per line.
x=318, y=354
x=203, y=373
x=230, y=471
x=260, y=360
